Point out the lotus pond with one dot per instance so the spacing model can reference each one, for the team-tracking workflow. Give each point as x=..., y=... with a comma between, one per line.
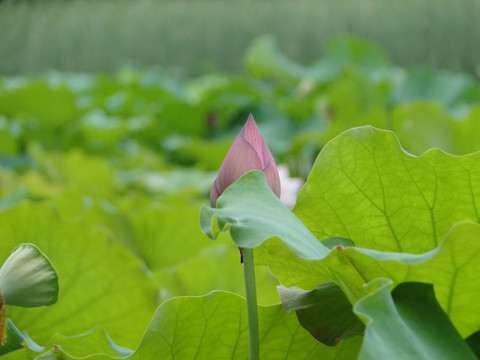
x=105, y=179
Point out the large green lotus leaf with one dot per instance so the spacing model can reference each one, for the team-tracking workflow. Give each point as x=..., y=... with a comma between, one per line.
x=407, y=324
x=93, y=174
x=161, y=231
x=47, y=105
x=20, y=354
x=96, y=341
x=28, y=279
x=153, y=228
x=165, y=236
x=164, y=233
x=365, y=187
x=450, y=268
x=100, y=282
x=213, y=326
x=253, y=215
x=38, y=109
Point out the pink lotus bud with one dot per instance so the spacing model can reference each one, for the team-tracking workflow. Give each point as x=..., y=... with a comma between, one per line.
x=248, y=152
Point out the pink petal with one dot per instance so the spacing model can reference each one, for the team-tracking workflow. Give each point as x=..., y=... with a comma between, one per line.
x=248, y=152
x=267, y=155
x=253, y=136
x=273, y=179
x=240, y=159
x=214, y=194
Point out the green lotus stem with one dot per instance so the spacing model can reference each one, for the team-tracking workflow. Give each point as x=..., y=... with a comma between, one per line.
x=251, y=291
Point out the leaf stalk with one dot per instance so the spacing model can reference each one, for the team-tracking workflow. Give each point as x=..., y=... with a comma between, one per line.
x=251, y=292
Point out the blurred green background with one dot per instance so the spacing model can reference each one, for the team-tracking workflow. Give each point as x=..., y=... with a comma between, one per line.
x=116, y=115
x=200, y=36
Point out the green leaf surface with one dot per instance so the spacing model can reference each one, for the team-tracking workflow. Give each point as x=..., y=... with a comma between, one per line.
x=38, y=100
x=451, y=268
x=407, y=324
x=325, y=312
x=165, y=235
x=251, y=215
x=28, y=279
x=94, y=341
x=365, y=187
x=96, y=177
x=216, y=325
x=161, y=229
x=20, y=354
x=213, y=326
x=448, y=266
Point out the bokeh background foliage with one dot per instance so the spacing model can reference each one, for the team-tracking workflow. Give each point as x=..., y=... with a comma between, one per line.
x=115, y=116
x=205, y=35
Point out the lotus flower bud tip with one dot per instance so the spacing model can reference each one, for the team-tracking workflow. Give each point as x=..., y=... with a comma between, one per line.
x=248, y=152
